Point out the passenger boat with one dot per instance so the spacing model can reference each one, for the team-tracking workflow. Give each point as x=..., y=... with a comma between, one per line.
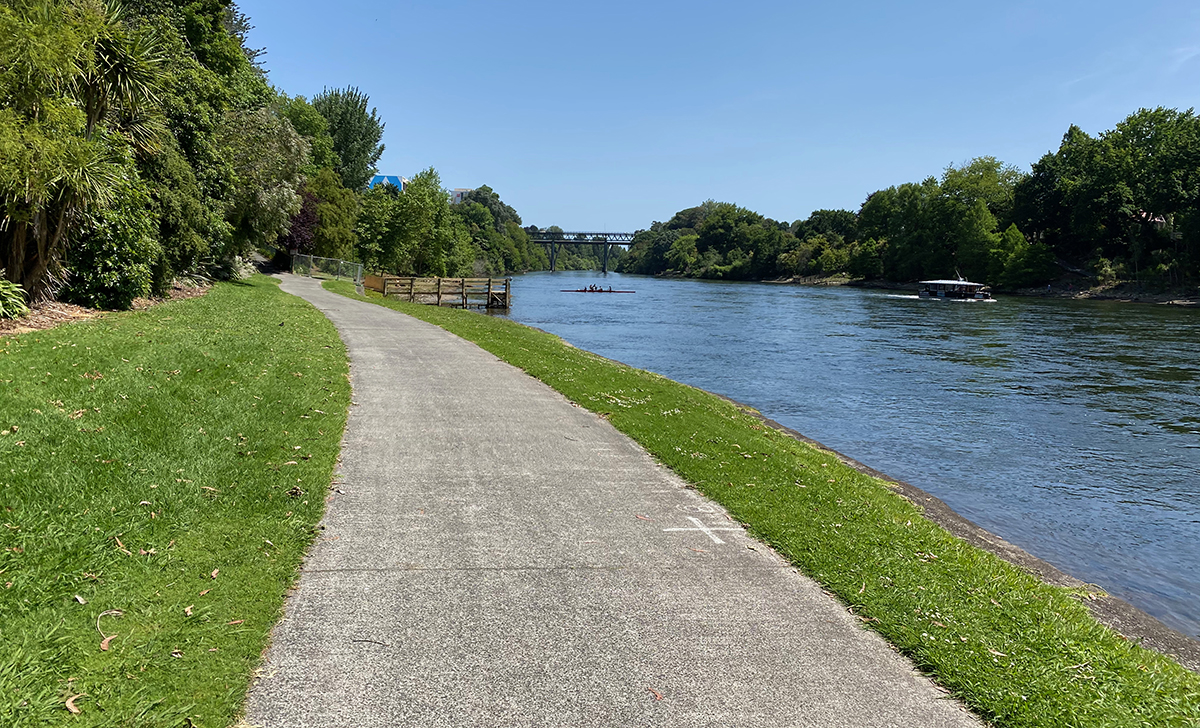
x=960, y=289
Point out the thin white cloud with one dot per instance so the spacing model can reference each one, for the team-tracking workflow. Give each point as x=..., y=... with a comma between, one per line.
x=1181, y=56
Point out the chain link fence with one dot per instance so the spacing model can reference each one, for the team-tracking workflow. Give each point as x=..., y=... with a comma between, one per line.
x=316, y=267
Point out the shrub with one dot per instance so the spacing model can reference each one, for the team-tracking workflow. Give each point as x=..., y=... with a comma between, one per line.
x=12, y=300
x=112, y=262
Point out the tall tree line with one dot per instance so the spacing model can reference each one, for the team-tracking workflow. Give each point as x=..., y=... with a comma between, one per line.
x=1123, y=205
x=141, y=142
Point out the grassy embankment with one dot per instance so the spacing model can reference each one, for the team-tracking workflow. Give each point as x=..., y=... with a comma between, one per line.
x=1017, y=651
x=170, y=464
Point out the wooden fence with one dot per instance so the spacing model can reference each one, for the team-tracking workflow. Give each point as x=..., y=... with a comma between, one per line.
x=456, y=292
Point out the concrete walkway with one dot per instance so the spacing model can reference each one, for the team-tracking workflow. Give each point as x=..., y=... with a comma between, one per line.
x=501, y=557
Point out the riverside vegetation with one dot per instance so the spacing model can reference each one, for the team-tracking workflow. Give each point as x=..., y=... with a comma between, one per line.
x=1120, y=206
x=1017, y=651
x=162, y=473
x=141, y=142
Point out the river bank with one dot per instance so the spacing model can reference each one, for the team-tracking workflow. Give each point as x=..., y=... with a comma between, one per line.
x=1125, y=292
x=1018, y=651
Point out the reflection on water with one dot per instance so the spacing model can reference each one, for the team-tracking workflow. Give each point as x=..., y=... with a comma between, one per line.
x=1071, y=428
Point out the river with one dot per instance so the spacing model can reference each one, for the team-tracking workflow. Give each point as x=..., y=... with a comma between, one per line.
x=1070, y=428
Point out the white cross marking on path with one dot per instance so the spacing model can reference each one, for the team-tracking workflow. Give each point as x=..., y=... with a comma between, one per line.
x=708, y=530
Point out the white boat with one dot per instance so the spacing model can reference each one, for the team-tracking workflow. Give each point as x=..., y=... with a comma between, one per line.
x=960, y=289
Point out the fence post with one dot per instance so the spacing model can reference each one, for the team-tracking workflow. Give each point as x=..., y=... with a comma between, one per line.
x=439, y=292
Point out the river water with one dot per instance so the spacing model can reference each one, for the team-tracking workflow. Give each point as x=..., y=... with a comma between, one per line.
x=1070, y=428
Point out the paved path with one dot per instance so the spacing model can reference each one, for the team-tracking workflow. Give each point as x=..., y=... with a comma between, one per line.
x=501, y=557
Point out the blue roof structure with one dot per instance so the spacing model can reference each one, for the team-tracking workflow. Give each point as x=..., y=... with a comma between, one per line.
x=390, y=179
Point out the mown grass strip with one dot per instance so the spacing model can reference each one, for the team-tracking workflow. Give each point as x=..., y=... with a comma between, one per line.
x=1017, y=651
x=161, y=477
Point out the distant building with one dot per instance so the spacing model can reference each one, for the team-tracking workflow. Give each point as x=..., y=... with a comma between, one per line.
x=458, y=193
x=389, y=179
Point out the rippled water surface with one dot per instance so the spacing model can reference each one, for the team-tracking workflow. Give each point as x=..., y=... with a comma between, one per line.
x=1070, y=428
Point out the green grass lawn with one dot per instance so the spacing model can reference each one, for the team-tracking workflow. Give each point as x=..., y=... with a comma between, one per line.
x=161, y=475
x=1017, y=651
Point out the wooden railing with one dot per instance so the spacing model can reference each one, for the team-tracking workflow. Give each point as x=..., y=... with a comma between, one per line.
x=456, y=292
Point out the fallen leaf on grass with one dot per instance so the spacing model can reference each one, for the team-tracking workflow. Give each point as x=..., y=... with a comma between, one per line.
x=104, y=644
x=188, y=609
x=997, y=654
x=176, y=653
x=236, y=621
x=215, y=572
x=71, y=703
x=205, y=592
x=657, y=695
x=80, y=599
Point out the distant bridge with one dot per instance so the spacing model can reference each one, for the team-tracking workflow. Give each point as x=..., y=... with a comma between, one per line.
x=558, y=239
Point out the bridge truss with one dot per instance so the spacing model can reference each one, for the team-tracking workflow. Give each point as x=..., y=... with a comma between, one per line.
x=555, y=241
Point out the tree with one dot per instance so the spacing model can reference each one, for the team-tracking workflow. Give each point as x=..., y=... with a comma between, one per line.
x=266, y=154
x=414, y=232
x=502, y=214
x=822, y=222
x=75, y=85
x=985, y=179
x=356, y=134
x=309, y=123
x=866, y=260
x=379, y=246
x=112, y=261
x=682, y=254
x=303, y=227
x=337, y=213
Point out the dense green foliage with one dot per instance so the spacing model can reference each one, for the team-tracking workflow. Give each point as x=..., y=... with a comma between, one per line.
x=163, y=97
x=171, y=464
x=1126, y=203
x=76, y=100
x=111, y=263
x=495, y=229
x=12, y=300
x=1120, y=206
x=97, y=101
x=931, y=229
x=413, y=232
x=1020, y=653
x=355, y=134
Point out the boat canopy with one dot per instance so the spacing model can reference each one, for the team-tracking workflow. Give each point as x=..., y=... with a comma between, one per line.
x=951, y=283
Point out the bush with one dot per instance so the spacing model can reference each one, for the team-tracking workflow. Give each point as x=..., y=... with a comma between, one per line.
x=1029, y=265
x=112, y=263
x=12, y=300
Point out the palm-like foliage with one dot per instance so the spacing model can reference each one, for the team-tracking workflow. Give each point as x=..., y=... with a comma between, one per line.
x=77, y=89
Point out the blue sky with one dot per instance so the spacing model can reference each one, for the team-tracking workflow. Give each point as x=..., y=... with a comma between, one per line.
x=608, y=116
